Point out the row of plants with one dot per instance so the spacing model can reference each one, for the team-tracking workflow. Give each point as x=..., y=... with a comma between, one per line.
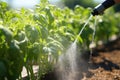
x=38, y=37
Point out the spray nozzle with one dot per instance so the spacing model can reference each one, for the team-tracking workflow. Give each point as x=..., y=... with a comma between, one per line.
x=98, y=10
x=94, y=12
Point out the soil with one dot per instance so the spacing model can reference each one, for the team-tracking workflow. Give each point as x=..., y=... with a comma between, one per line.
x=104, y=64
x=107, y=62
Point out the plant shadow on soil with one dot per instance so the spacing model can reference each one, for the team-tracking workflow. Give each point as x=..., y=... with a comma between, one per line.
x=84, y=66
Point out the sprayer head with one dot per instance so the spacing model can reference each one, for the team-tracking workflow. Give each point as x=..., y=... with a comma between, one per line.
x=94, y=12
x=98, y=10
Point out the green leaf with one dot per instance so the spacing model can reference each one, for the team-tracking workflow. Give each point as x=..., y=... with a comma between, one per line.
x=7, y=33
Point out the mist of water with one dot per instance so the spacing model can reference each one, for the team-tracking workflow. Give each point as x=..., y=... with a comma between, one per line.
x=92, y=44
x=67, y=63
x=83, y=28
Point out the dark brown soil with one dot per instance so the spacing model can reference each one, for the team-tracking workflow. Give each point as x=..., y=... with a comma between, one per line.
x=105, y=64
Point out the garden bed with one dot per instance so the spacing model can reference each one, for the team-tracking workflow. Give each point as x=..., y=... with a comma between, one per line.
x=105, y=64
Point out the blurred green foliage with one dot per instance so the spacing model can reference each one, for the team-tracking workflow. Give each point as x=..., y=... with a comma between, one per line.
x=40, y=36
x=84, y=3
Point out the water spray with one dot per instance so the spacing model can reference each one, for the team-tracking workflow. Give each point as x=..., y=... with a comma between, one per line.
x=92, y=44
x=83, y=28
x=68, y=61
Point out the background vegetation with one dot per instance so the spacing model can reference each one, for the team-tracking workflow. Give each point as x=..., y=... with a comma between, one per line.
x=40, y=36
x=85, y=3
